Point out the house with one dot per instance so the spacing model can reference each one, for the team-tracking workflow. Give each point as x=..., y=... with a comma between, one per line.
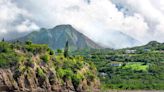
x=130, y=51
x=116, y=64
x=102, y=74
x=147, y=50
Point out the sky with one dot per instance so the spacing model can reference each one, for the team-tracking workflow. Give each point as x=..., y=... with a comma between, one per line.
x=111, y=23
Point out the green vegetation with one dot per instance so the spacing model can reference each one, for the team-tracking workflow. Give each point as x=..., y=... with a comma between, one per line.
x=51, y=52
x=65, y=73
x=66, y=49
x=90, y=76
x=7, y=56
x=28, y=42
x=59, y=51
x=45, y=58
x=136, y=66
x=3, y=39
x=77, y=79
x=58, y=36
x=40, y=72
x=27, y=59
x=130, y=68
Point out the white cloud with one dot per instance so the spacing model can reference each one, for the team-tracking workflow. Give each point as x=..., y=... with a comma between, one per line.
x=3, y=31
x=26, y=26
x=152, y=12
x=100, y=19
x=14, y=19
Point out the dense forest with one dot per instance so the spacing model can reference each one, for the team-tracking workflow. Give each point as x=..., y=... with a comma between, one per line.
x=131, y=68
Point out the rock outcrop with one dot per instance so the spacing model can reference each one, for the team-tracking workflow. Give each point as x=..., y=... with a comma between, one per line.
x=30, y=82
x=34, y=68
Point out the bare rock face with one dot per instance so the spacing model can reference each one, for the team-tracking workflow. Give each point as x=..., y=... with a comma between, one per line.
x=30, y=82
x=7, y=83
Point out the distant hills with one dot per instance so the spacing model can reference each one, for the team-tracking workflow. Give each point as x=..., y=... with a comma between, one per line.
x=57, y=37
x=152, y=45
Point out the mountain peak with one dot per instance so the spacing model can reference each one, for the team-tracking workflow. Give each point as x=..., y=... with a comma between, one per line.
x=64, y=29
x=153, y=43
x=58, y=36
x=63, y=26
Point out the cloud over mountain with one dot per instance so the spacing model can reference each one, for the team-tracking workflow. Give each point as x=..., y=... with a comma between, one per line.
x=14, y=20
x=104, y=21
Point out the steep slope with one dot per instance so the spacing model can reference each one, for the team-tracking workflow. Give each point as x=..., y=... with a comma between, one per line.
x=34, y=68
x=58, y=36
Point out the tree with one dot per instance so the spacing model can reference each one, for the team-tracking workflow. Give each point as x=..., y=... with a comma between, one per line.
x=66, y=49
x=51, y=52
x=3, y=39
x=46, y=58
x=59, y=51
x=28, y=42
x=17, y=41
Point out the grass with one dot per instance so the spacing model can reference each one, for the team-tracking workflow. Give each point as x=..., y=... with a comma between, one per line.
x=136, y=66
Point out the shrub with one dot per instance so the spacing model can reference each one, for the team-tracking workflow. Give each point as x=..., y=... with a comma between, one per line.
x=51, y=52
x=40, y=72
x=59, y=51
x=68, y=73
x=76, y=79
x=90, y=76
x=60, y=72
x=65, y=73
x=28, y=42
x=45, y=58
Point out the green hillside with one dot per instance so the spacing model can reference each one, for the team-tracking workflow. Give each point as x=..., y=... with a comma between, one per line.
x=33, y=67
x=137, y=68
x=131, y=68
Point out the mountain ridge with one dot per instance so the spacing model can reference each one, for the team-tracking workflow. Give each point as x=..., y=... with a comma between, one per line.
x=58, y=36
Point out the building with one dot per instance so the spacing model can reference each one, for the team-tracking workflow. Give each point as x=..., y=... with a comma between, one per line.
x=130, y=51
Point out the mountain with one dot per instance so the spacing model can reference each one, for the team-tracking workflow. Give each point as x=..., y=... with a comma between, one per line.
x=153, y=43
x=57, y=37
x=126, y=40
x=121, y=40
x=35, y=68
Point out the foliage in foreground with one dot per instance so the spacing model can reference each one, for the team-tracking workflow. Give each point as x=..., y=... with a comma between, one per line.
x=26, y=58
